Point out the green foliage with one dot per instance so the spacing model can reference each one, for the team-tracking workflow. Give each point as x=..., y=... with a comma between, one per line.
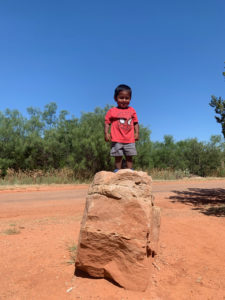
x=144, y=146
x=219, y=107
x=90, y=152
x=47, y=140
x=47, y=145
x=203, y=159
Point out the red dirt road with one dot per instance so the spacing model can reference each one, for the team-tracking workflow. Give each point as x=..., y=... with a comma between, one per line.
x=34, y=262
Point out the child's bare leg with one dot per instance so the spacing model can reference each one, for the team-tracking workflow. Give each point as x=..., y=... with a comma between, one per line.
x=129, y=160
x=118, y=162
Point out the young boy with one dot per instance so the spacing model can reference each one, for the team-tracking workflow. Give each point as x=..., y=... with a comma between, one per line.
x=124, y=127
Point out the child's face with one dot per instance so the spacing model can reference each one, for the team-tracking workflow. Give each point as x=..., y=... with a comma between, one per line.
x=123, y=99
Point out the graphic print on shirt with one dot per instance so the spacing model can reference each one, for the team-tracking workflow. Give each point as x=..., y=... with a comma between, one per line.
x=124, y=122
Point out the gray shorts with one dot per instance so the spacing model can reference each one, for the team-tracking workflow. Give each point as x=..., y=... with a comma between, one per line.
x=120, y=149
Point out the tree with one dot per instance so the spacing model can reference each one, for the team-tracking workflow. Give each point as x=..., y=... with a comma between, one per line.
x=219, y=106
x=12, y=140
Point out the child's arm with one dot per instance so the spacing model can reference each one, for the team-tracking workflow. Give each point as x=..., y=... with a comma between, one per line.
x=136, y=131
x=107, y=126
x=107, y=134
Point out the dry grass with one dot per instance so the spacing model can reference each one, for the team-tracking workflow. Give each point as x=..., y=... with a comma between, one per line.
x=11, y=231
x=72, y=248
x=68, y=176
x=62, y=176
x=169, y=174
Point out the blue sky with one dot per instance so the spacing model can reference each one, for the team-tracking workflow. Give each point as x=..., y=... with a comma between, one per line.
x=75, y=53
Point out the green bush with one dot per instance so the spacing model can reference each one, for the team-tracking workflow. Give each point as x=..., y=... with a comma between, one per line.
x=50, y=142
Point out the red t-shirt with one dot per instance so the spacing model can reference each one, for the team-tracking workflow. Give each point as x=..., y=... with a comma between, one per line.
x=122, y=124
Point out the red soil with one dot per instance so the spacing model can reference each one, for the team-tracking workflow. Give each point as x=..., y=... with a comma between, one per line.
x=190, y=263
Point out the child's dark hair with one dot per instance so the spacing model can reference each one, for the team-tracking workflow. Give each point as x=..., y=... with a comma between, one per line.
x=120, y=88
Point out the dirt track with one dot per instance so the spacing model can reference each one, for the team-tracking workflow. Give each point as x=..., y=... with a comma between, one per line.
x=34, y=262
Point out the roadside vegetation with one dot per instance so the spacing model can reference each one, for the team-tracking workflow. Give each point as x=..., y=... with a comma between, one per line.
x=51, y=147
x=72, y=249
x=11, y=231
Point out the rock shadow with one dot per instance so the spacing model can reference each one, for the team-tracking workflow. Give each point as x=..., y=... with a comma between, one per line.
x=210, y=202
x=80, y=273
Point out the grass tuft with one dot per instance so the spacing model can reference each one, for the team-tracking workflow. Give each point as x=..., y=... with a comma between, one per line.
x=11, y=231
x=72, y=248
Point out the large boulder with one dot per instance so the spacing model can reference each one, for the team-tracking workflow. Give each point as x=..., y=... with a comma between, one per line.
x=120, y=229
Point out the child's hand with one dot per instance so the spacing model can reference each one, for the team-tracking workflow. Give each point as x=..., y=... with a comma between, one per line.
x=107, y=137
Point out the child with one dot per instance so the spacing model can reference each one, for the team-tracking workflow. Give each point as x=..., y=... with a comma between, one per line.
x=124, y=127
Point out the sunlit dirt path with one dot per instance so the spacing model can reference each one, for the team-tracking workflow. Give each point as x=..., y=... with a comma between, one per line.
x=38, y=225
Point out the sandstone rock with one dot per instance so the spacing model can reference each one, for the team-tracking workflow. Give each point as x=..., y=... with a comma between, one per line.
x=120, y=229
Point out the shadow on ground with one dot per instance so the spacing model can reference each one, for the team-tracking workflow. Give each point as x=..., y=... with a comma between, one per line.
x=80, y=273
x=210, y=202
